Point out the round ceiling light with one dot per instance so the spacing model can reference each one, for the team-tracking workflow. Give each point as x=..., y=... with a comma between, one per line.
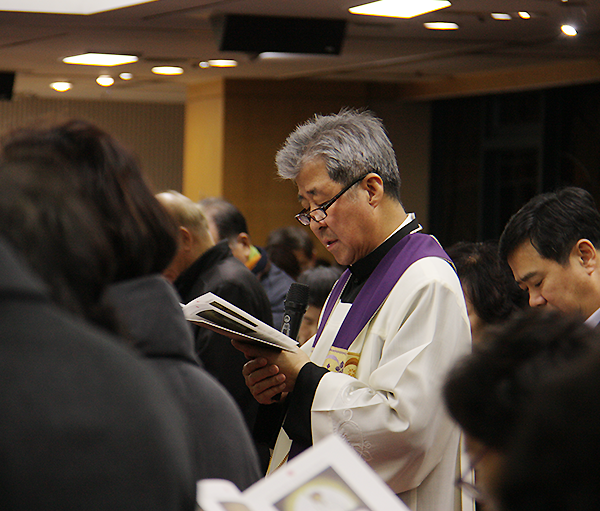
x=61, y=86
x=167, y=70
x=105, y=80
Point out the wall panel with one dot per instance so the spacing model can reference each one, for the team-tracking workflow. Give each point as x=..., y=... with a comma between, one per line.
x=154, y=132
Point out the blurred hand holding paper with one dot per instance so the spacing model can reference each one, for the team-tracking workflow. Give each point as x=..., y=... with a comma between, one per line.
x=330, y=476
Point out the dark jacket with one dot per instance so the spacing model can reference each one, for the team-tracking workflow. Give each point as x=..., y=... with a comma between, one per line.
x=219, y=272
x=84, y=424
x=222, y=447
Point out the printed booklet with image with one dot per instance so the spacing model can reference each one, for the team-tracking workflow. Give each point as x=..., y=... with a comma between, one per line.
x=330, y=476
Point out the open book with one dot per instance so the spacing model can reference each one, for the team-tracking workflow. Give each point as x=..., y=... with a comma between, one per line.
x=211, y=311
x=330, y=476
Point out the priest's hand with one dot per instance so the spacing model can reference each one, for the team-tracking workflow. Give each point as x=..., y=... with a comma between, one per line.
x=269, y=373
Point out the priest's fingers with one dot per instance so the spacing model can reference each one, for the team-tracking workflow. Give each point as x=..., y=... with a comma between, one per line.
x=264, y=380
x=264, y=389
x=258, y=369
x=270, y=394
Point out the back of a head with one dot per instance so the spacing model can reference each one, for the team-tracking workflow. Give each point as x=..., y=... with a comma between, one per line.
x=285, y=259
x=141, y=233
x=320, y=281
x=185, y=212
x=552, y=465
x=553, y=223
x=58, y=234
x=350, y=144
x=227, y=218
x=487, y=390
x=291, y=248
x=487, y=280
x=293, y=237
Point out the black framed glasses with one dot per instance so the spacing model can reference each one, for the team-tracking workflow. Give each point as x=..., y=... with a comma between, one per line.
x=320, y=213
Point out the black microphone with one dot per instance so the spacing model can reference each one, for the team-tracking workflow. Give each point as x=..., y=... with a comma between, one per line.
x=295, y=305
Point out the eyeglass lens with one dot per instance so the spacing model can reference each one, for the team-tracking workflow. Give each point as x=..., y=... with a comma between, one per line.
x=320, y=213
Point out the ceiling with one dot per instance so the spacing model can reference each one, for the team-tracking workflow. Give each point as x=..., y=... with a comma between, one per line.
x=178, y=32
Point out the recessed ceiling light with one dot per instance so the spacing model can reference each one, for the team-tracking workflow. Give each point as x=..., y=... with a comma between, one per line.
x=501, y=16
x=222, y=63
x=167, y=70
x=269, y=55
x=440, y=25
x=569, y=30
x=100, y=59
x=105, y=80
x=126, y=76
x=525, y=15
x=67, y=6
x=399, y=8
x=61, y=86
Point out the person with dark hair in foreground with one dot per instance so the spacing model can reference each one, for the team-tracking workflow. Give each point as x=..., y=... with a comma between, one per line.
x=392, y=326
x=142, y=239
x=490, y=290
x=489, y=390
x=85, y=423
x=56, y=232
x=551, y=245
x=552, y=463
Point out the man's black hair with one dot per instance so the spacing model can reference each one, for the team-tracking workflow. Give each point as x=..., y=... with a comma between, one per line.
x=553, y=223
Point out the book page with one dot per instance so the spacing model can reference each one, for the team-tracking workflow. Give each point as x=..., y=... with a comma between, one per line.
x=213, y=312
x=222, y=495
x=330, y=476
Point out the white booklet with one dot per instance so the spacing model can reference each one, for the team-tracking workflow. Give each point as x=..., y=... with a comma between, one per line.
x=330, y=476
x=211, y=311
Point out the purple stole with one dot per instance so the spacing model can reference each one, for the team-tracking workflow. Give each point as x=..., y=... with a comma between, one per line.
x=378, y=286
x=376, y=289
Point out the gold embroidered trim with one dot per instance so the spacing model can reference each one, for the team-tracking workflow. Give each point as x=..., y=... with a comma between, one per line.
x=339, y=360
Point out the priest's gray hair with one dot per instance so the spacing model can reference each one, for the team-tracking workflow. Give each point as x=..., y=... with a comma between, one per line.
x=350, y=143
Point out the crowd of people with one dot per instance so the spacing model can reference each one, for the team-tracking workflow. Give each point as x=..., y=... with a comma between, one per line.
x=481, y=359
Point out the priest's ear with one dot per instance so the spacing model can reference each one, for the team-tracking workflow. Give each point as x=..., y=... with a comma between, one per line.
x=373, y=184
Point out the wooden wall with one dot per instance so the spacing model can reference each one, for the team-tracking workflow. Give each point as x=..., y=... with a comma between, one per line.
x=257, y=117
x=154, y=132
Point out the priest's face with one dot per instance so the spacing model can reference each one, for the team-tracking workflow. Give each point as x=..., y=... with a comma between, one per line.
x=347, y=231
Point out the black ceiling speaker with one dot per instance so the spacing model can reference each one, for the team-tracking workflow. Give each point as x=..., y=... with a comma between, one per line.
x=7, y=81
x=258, y=34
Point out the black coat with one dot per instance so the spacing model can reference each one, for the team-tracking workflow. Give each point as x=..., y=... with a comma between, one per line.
x=84, y=424
x=222, y=446
x=219, y=272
